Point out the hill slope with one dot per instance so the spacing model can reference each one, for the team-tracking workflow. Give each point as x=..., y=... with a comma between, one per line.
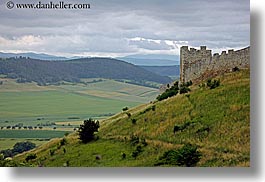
x=219, y=125
x=43, y=72
x=164, y=70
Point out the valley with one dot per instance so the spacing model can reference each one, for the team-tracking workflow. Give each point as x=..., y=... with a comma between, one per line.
x=61, y=108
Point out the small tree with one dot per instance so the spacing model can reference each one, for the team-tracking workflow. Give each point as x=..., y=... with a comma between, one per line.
x=187, y=156
x=87, y=130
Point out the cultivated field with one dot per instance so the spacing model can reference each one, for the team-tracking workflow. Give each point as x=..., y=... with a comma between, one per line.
x=63, y=107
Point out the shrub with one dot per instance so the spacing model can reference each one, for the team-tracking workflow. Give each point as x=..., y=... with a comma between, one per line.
x=128, y=114
x=87, y=130
x=182, y=126
x=23, y=146
x=137, y=151
x=123, y=155
x=52, y=152
x=143, y=141
x=134, y=121
x=187, y=156
x=235, y=69
x=125, y=109
x=134, y=140
x=30, y=157
x=184, y=89
x=213, y=84
x=63, y=142
x=169, y=92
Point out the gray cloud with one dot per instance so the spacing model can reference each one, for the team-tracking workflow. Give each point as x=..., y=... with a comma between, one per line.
x=110, y=27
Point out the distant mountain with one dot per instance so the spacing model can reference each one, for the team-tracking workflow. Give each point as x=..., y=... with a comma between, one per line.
x=43, y=72
x=163, y=70
x=154, y=56
x=32, y=55
x=152, y=60
x=137, y=59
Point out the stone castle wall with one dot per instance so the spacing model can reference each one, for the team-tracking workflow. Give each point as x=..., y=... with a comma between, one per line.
x=198, y=65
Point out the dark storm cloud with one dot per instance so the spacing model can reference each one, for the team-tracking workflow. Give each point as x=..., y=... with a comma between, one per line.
x=110, y=27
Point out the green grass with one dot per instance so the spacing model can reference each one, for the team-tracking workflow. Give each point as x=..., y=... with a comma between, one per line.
x=55, y=104
x=219, y=126
x=31, y=134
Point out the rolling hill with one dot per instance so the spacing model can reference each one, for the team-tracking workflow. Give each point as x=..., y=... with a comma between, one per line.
x=164, y=70
x=216, y=121
x=47, y=72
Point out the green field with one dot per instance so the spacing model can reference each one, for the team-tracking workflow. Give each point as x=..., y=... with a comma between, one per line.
x=31, y=134
x=63, y=106
x=58, y=103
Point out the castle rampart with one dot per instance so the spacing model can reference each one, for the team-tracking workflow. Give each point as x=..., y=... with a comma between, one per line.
x=197, y=65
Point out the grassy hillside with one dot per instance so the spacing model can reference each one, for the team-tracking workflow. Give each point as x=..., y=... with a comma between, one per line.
x=216, y=120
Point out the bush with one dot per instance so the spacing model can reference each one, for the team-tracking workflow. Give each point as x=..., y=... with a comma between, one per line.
x=23, y=146
x=169, y=92
x=134, y=140
x=186, y=156
x=87, y=130
x=134, y=121
x=182, y=126
x=18, y=148
x=63, y=142
x=52, y=152
x=125, y=109
x=128, y=114
x=213, y=84
x=31, y=157
x=184, y=89
x=235, y=69
x=137, y=151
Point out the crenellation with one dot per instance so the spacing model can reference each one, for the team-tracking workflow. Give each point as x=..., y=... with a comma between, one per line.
x=203, y=48
x=200, y=64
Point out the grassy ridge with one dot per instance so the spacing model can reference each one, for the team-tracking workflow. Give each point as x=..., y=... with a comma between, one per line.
x=216, y=120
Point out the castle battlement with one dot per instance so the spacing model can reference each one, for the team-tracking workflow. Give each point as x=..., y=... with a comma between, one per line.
x=201, y=64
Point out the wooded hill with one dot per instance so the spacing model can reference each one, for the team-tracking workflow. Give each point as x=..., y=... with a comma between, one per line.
x=46, y=72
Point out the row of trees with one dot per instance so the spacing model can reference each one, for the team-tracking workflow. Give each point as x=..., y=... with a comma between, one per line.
x=20, y=127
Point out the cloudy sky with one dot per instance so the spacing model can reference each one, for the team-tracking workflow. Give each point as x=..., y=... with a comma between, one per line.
x=114, y=28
